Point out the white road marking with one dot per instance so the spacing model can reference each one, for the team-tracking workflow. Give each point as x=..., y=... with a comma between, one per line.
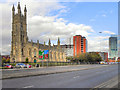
x=109, y=82
x=28, y=86
x=76, y=76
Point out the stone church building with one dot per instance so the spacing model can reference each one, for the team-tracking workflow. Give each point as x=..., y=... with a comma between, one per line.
x=21, y=48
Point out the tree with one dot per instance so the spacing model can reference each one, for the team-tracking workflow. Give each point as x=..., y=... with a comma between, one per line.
x=69, y=58
x=8, y=60
x=26, y=60
x=3, y=60
x=86, y=57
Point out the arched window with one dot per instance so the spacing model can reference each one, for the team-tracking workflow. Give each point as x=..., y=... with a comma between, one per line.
x=22, y=51
x=16, y=27
x=29, y=52
x=51, y=54
x=35, y=52
x=59, y=56
x=55, y=55
x=62, y=55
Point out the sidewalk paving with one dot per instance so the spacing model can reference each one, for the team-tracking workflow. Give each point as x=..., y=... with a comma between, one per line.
x=17, y=73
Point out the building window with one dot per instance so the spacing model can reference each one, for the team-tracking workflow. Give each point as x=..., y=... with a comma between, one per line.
x=16, y=27
x=55, y=55
x=35, y=52
x=22, y=51
x=62, y=55
x=51, y=55
x=29, y=52
x=75, y=46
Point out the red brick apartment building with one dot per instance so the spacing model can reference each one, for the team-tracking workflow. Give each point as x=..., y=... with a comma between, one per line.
x=79, y=45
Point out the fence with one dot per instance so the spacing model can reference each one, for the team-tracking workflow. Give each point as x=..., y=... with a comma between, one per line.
x=46, y=64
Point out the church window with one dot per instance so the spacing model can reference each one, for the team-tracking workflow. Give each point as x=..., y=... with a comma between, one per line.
x=29, y=52
x=58, y=56
x=16, y=27
x=21, y=37
x=55, y=55
x=51, y=54
x=22, y=51
x=62, y=55
x=35, y=52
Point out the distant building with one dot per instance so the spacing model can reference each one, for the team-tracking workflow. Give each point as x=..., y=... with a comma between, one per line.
x=0, y=60
x=79, y=45
x=104, y=55
x=119, y=43
x=68, y=49
x=113, y=52
x=119, y=31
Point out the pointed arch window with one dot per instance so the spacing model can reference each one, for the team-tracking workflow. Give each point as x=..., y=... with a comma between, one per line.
x=29, y=52
x=35, y=52
x=22, y=52
x=16, y=27
x=55, y=55
x=51, y=54
x=62, y=55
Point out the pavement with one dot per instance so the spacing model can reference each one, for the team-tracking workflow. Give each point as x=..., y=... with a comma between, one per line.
x=17, y=73
x=95, y=76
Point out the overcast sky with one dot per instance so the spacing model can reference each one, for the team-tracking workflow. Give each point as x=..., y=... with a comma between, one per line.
x=46, y=19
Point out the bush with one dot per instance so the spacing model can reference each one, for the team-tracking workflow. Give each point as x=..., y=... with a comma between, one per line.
x=26, y=60
x=5, y=68
x=13, y=64
x=33, y=64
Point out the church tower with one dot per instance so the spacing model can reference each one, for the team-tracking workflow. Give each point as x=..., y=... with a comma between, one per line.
x=58, y=46
x=19, y=34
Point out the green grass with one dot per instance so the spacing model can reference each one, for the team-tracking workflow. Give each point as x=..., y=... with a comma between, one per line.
x=4, y=68
x=13, y=64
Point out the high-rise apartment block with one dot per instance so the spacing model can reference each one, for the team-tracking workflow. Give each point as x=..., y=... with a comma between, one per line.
x=79, y=45
x=113, y=52
x=119, y=43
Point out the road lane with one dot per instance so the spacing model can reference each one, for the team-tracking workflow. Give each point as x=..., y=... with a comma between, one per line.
x=76, y=79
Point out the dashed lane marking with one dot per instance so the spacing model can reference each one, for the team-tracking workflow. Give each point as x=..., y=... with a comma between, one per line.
x=28, y=86
x=76, y=76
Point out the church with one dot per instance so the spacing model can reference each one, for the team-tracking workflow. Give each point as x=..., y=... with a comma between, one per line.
x=22, y=48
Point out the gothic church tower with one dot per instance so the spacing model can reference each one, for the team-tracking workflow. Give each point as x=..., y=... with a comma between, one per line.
x=19, y=34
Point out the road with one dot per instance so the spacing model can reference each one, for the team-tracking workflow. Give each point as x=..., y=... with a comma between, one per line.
x=77, y=79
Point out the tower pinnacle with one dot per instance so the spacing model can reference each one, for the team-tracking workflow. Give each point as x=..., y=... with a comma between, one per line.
x=49, y=42
x=19, y=11
x=58, y=41
x=13, y=9
x=25, y=10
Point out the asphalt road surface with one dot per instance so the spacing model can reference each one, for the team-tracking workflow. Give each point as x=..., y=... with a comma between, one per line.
x=77, y=79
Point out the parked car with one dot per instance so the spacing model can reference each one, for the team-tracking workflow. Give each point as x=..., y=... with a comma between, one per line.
x=8, y=66
x=29, y=66
x=21, y=65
